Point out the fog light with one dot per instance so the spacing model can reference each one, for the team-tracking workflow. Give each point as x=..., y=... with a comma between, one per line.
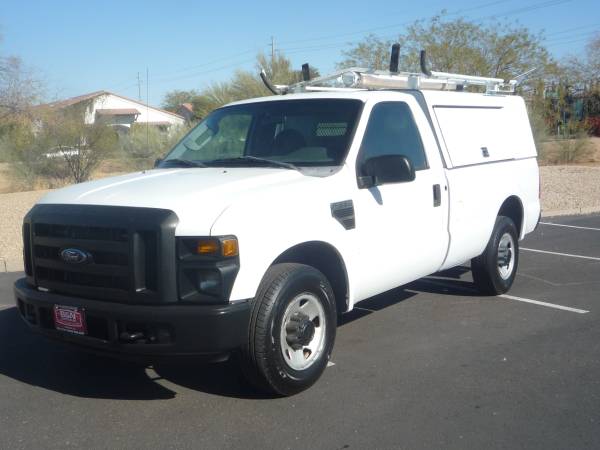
x=209, y=282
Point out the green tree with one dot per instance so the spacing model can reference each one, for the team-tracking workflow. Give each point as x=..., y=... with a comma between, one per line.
x=175, y=98
x=247, y=84
x=458, y=46
x=142, y=145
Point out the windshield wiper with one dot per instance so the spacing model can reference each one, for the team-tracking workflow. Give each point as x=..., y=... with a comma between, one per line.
x=183, y=162
x=249, y=158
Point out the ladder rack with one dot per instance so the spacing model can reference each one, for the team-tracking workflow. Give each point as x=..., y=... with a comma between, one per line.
x=358, y=78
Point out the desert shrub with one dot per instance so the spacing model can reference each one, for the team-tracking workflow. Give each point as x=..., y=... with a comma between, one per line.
x=143, y=145
x=577, y=149
x=593, y=125
x=59, y=148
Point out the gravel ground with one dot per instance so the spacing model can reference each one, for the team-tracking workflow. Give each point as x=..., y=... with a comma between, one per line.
x=565, y=190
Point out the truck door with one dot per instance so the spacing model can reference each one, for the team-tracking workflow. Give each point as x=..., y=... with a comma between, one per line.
x=402, y=226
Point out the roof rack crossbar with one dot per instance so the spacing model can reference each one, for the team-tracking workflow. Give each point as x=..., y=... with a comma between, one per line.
x=358, y=78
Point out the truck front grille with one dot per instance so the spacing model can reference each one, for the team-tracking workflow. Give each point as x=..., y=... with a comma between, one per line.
x=129, y=252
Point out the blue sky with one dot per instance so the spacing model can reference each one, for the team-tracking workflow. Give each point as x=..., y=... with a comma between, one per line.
x=83, y=46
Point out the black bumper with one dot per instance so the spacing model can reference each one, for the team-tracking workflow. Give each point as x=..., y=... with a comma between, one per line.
x=160, y=330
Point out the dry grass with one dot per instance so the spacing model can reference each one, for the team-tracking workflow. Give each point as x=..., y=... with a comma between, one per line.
x=570, y=151
x=9, y=183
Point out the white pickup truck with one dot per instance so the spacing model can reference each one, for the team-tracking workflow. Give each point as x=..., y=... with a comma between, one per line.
x=275, y=215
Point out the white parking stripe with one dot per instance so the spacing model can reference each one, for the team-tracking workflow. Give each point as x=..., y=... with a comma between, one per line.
x=569, y=226
x=330, y=364
x=549, y=305
x=594, y=258
x=510, y=297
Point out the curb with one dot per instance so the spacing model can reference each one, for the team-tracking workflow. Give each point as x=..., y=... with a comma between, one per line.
x=571, y=212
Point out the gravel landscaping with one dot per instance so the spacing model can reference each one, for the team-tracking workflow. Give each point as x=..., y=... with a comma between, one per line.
x=565, y=190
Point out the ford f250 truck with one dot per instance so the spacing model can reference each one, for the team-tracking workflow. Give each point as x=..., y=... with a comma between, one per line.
x=277, y=214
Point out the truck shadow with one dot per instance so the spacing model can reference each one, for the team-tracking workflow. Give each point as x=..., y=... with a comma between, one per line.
x=36, y=361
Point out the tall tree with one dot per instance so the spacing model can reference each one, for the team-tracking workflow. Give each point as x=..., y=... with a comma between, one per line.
x=245, y=84
x=175, y=98
x=459, y=46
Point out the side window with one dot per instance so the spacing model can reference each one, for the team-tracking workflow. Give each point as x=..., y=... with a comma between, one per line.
x=392, y=131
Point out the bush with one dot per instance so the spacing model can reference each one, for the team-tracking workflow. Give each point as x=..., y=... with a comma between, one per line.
x=593, y=125
x=577, y=149
x=143, y=145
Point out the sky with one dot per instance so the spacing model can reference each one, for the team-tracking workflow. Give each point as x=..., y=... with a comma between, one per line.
x=82, y=46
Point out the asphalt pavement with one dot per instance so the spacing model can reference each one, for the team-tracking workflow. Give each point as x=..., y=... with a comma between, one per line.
x=428, y=365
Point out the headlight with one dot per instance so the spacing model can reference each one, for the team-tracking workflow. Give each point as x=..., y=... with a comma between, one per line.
x=212, y=247
x=207, y=267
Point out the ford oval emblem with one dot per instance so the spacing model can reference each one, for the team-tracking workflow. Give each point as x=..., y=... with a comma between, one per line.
x=75, y=256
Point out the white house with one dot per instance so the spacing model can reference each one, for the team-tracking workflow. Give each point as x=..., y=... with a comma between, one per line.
x=120, y=112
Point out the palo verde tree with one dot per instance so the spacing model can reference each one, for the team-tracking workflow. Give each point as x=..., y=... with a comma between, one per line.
x=20, y=88
x=244, y=84
x=174, y=99
x=459, y=46
x=62, y=146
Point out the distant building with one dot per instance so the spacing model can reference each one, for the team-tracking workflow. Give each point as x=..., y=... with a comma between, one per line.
x=186, y=110
x=118, y=111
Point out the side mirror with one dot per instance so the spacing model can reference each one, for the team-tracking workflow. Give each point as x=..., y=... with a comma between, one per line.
x=157, y=162
x=385, y=169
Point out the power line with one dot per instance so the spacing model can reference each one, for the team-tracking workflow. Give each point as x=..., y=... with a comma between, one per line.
x=320, y=47
x=226, y=58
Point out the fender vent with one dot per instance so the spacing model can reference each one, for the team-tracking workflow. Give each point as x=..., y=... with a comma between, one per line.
x=343, y=212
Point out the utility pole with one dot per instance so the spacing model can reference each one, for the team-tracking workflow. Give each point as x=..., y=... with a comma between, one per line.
x=272, y=50
x=139, y=83
x=147, y=113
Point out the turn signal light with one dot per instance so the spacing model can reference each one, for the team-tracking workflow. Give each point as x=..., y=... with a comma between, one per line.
x=217, y=247
x=230, y=247
x=207, y=247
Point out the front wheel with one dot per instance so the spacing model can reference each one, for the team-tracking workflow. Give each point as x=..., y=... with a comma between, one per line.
x=292, y=329
x=494, y=271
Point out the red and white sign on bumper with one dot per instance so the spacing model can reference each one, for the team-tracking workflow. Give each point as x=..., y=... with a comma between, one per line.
x=70, y=319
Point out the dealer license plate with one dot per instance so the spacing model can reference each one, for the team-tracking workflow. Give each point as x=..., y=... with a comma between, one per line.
x=70, y=319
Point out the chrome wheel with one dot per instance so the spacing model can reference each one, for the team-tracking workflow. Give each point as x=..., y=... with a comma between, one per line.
x=302, y=334
x=506, y=256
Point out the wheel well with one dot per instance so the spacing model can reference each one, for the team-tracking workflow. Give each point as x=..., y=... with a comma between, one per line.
x=513, y=208
x=325, y=258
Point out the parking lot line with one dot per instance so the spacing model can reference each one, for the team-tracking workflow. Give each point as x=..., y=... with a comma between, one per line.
x=594, y=258
x=509, y=297
x=549, y=305
x=569, y=226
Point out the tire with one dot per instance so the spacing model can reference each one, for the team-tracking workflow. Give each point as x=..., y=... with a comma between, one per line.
x=286, y=352
x=491, y=275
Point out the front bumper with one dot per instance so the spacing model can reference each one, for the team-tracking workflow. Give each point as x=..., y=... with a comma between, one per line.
x=166, y=330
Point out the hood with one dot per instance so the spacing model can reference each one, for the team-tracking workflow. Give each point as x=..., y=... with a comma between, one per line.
x=196, y=195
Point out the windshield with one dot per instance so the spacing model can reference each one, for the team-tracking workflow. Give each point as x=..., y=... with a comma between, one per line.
x=296, y=132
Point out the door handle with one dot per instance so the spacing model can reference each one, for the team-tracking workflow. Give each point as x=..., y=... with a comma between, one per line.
x=437, y=195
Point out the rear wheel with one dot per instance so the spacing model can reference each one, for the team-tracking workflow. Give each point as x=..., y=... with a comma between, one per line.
x=292, y=330
x=494, y=271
